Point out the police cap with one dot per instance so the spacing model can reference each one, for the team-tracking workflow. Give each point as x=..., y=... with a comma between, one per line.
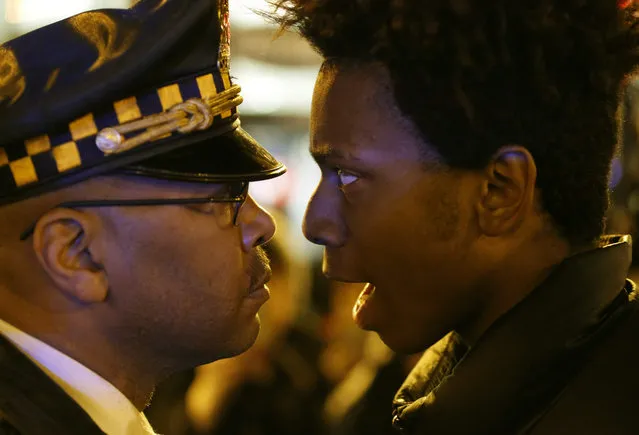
x=144, y=91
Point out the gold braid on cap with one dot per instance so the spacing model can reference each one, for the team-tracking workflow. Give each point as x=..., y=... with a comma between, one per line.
x=189, y=116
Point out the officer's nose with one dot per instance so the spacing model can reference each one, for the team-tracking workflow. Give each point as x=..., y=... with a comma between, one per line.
x=258, y=226
x=323, y=223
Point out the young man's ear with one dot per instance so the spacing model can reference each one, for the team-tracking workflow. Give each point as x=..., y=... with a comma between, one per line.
x=507, y=191
x=62, y=243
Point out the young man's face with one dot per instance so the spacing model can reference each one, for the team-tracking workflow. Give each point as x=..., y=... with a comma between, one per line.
x=184, y=275
x=385, y=216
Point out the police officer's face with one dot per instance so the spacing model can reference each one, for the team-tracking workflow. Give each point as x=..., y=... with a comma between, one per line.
x=384, y=215
x=184, y=276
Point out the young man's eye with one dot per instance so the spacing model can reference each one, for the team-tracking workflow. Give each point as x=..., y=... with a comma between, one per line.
x=346, y=178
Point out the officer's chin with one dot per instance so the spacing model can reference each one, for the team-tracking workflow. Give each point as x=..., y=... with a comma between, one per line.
x=248, y=339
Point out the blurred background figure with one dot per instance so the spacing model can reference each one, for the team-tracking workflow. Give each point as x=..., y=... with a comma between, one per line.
x=362, y=372
x=623, y=216
x=361, y=402
x=343, y=341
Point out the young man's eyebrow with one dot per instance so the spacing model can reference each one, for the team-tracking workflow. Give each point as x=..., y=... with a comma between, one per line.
x=323, y=153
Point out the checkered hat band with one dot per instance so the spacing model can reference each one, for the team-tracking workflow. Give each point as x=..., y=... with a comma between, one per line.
x=47, y=157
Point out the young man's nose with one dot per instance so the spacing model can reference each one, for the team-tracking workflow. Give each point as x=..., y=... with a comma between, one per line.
x=323, y=224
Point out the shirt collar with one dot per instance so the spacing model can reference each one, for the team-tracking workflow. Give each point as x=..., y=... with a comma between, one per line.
x=104, y=403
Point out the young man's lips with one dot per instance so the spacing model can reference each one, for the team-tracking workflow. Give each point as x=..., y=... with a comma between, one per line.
x=335, y=275
x=362, y=314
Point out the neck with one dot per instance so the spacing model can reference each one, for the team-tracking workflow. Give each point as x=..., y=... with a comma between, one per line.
x=123, y=364
x=523, y=269
x=120, y=364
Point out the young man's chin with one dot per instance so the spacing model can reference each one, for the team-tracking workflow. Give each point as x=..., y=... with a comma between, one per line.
x=404, y=341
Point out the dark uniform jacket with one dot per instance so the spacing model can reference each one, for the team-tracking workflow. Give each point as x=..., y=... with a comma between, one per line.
x=31, y=403
x=562, y=361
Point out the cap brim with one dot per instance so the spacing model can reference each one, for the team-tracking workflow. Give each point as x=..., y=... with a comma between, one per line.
x=231, y=156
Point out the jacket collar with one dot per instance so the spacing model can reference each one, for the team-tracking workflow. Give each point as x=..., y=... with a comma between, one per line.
x=32, y=402
x=520, y=363
x=103, y=402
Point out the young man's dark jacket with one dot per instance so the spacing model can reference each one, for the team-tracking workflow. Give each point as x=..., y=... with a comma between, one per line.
x=560, y=362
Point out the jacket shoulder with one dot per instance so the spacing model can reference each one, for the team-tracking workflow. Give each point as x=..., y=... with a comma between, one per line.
x=7, y=429
x=603, y=397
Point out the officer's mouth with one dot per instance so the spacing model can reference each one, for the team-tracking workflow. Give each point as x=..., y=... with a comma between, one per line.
x=258, y=285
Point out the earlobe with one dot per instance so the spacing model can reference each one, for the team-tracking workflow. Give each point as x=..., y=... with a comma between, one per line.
x=62, y=243
x=507, y=191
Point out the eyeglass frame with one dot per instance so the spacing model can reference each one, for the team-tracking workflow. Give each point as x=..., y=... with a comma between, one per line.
x=238, y=200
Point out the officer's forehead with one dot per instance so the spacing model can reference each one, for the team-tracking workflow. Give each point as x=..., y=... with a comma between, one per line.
x=133, y=185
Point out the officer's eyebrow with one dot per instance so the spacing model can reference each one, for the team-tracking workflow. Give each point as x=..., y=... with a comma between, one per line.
x=223, y=188
x=324, y=153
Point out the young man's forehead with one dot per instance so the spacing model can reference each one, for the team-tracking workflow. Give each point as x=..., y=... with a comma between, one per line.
x=341, y=152
x=323, y=151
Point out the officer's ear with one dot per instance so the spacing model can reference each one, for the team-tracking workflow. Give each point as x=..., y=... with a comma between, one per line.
x=507, y=191
x=62, y=242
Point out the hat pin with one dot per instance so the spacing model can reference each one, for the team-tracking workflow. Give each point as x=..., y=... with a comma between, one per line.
x=192, y=115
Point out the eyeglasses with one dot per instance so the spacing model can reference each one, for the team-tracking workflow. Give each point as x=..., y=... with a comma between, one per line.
x=236, y=195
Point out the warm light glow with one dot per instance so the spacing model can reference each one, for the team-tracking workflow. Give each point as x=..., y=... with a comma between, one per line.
x=273, y=89
x=243, y=15
x=48, y=11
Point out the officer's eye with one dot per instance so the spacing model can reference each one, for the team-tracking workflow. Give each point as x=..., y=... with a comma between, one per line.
x=206, y=207
x=223, y=191
x=346, y=178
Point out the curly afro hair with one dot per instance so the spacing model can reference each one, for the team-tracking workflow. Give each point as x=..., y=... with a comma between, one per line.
x=543, y=74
